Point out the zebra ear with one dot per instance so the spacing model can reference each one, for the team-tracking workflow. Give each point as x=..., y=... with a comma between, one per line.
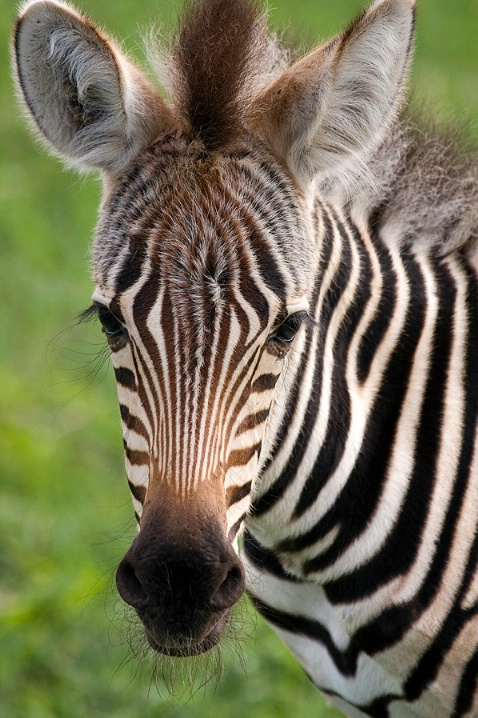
x=331, y=109
x=86, y=100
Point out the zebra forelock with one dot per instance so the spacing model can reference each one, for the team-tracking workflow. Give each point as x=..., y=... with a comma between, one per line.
x=221, y=59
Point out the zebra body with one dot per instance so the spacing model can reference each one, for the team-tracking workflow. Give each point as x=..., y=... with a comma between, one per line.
x=290, y=303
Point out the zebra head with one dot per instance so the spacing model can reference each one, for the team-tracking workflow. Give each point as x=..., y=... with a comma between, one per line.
x=206, y=259
x=202, y=323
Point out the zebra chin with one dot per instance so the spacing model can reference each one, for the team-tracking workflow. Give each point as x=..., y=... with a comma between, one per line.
x=181, y=647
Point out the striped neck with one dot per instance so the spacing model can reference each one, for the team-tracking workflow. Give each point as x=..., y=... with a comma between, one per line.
x=377, y=429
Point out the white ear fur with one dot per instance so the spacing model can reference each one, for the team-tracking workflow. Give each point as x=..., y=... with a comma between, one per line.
x=92, y=106
x=328, y=112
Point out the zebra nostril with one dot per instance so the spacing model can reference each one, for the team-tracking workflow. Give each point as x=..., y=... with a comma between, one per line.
x=129, y=586
x=230, y=590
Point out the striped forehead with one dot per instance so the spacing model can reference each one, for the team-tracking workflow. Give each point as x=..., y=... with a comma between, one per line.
x=199, y=223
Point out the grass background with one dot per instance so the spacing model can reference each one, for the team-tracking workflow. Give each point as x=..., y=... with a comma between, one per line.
x=65, y=513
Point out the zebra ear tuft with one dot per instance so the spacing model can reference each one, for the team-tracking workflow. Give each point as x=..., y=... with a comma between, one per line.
x=330, y=110
x=86, y=100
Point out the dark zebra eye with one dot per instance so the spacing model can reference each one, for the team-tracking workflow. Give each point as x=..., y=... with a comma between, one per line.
x=286, y=331
x=112, y=326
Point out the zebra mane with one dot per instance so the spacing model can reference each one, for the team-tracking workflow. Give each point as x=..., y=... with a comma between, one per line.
x=424, y=186
x=223, y=55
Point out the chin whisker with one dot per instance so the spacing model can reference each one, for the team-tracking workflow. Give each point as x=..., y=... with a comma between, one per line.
x=179, y=678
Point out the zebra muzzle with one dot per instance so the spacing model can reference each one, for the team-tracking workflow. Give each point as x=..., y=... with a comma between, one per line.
x=182, y=584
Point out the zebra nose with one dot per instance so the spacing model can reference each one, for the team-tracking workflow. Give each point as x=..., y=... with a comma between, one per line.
x=129, y=585
x=230, y=587
x=145, y=583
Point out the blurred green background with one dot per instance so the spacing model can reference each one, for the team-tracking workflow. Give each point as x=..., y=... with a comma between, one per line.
x=65, y=513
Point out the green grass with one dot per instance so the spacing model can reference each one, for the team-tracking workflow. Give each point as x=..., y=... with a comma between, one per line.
x=65, y=513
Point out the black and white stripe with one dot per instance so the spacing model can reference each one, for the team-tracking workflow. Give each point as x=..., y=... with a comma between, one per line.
x=365, y=515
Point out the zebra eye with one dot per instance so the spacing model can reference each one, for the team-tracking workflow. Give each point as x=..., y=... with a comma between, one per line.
x=112, y=326
x=286, y=331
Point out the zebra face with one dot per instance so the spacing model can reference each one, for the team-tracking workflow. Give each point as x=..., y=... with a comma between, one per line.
x=203, y=325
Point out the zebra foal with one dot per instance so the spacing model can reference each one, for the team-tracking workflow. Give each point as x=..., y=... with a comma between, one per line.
x=286, y=275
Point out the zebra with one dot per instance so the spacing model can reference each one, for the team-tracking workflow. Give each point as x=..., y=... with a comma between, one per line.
x=285, y=271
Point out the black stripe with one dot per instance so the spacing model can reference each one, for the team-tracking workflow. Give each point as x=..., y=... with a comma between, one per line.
x=269, y=269
x=264, y=559
x=345, y=662
x=265, y=382
x=375, y=332
x=132, y=422
x=252, y=420
x=137, y=458
x=237, y=493
x=142, y=306
x=125, y=377
x=232, y=533
x=139, y=492
x=467, y=688
x=241, y=457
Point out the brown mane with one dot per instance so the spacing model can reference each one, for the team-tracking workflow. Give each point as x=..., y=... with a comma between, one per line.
x=220, y=48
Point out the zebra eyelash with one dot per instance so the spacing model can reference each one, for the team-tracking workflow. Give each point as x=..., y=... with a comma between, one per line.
x=112, y=326
x=303, y=318
x=95, y=311
x=88, y=315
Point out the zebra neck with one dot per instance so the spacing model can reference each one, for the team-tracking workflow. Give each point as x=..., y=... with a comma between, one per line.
x=371, y=430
